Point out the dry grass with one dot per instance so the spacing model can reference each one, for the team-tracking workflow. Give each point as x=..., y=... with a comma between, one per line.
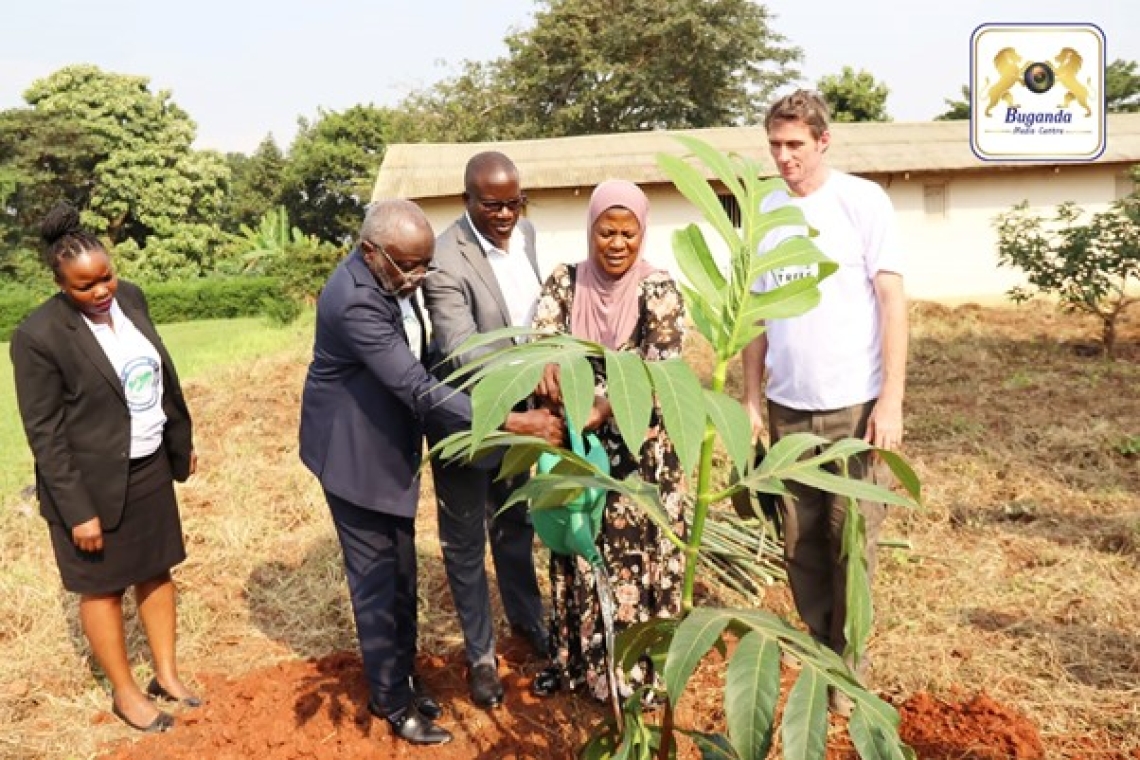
x=1023, y=580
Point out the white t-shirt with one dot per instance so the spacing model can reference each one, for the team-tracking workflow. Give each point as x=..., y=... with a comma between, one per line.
x=139, y=368
x=831, y=357
x=517, y=279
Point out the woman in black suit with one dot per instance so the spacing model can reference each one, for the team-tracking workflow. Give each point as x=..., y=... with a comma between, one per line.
x=110, y=432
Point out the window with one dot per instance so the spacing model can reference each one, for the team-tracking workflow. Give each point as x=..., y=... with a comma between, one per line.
x=934, y=199
x=731, y=207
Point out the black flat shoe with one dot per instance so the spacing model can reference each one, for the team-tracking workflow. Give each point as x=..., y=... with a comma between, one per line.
x=547, y=682
x=154, y=690
x=412, y=726
x=486, y=688
x=425, y=703
x=162, y=722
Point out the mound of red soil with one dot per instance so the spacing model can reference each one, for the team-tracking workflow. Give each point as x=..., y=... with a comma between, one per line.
x=316, y=709
x=977, y=729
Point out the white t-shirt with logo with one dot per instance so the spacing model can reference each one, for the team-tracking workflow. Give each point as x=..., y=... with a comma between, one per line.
x=831, y=357
x=139, y=367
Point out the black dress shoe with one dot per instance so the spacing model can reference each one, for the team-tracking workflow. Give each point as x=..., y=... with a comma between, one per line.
x=162, y=722
x=425, y=703
x=486, y=688
x=412, y=726
x=547, y=682
x=154, y=690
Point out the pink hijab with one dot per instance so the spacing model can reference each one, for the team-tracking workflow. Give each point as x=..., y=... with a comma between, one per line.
x=605, y=309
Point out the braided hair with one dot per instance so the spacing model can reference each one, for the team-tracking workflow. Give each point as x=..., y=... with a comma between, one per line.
x=64, y=237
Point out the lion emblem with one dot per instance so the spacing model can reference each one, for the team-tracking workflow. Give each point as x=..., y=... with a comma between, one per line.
x=1068, y=64
x=1009, y=67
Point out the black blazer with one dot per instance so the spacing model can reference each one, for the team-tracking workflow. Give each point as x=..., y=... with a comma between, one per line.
x=75, y=413
x=367, y=400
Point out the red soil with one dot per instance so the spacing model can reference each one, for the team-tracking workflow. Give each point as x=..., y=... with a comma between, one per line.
x=316, y=709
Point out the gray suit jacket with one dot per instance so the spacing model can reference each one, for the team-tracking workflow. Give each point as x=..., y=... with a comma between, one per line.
x=463, y=298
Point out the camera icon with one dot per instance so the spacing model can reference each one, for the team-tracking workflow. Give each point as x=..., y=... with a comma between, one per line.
x=1039, y=78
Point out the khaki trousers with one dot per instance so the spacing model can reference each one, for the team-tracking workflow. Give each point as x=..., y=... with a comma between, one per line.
x=813, y=528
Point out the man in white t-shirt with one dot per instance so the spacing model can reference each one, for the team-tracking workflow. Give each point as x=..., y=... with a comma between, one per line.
x=839, y=370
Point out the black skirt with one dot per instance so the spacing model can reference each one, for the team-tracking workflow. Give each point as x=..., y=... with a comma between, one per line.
x=146, y=543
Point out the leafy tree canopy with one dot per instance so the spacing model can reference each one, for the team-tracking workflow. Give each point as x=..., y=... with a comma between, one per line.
x=255, y=185
x=146, y=183
x=1122, y=87
x=854, y=96
x=332, y=166
x=585, y=68
x=956, y=110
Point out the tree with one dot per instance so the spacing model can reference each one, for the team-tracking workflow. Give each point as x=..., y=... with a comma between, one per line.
x=956, y=109
x=586, y=68
x=332, y=166
x=1122, y=87
x=255, y=185
x=43, y=159
x=150, y=190
x=854, y=96
x=1092, y=268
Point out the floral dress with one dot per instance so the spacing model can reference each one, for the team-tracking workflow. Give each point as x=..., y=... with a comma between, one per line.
x=645, y=569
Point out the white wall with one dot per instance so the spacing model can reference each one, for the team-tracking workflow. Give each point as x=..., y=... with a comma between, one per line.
x=950, y=258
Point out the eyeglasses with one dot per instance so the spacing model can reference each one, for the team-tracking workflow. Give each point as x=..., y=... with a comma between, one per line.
x=494, y=207
x=410, y=277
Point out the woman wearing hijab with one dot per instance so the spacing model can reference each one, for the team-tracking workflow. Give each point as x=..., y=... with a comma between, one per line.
x=110, y=432
x=618, y=299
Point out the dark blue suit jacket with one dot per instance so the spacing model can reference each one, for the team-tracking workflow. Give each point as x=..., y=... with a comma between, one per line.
x=367, y=400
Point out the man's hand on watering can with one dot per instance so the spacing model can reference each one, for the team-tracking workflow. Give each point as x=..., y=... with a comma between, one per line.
x=550, y=386
x=599, y=413
x=538, y=422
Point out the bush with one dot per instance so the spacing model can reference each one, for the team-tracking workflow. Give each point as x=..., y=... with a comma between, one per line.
x=212, y=298
x=15, y=304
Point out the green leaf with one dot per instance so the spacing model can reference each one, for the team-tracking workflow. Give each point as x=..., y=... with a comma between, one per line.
x=805, y=717
x=712, y=746
x=576, y=380
x=857, y=625
x=631, y=396
x=652, y=636
x=903, y=472
x=872, y=742
x=495, y=396
x=693, y=186
x=732, y=424
x=752, y=688
x=856, y=489
x=680, y=394
x=696, y=634
x=786, y=452
x=699, y=267
x=518, y=459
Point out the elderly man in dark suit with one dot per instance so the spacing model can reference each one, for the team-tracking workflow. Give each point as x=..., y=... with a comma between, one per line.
x=488, y=279
x=367, y=400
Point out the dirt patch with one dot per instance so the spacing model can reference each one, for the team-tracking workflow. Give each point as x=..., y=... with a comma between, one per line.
x=316, y=708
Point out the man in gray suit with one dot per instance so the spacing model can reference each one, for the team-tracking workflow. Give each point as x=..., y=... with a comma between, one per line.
x=487, y=278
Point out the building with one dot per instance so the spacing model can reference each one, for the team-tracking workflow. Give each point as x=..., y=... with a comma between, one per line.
x=946, y=198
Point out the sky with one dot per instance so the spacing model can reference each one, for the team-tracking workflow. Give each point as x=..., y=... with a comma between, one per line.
x=246, y=68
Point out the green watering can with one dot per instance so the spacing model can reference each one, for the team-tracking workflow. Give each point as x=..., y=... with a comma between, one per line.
x=573, y=528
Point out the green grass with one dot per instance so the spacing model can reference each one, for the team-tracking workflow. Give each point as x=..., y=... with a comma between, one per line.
x=197, y=348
